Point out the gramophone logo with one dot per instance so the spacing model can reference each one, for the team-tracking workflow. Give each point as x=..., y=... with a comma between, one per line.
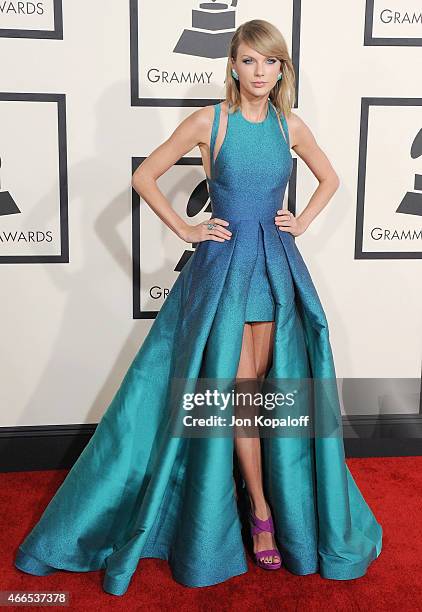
x=389, y=204
x=13, y=236
x=33, y=179
x=9, y=235
x=411, y=203
x=187, y=67
x=213, y=25
x=395, y=23
x=31, y=19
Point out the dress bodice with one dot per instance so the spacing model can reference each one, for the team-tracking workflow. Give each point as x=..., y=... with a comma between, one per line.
x=252, y=168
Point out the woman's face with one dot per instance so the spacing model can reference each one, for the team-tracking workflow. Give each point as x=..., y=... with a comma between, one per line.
x=257, y=73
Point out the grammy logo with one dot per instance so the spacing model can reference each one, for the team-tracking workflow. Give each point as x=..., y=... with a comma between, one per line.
x=213, y=26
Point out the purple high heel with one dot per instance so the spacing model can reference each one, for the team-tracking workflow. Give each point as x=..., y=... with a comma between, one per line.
x=257, y=526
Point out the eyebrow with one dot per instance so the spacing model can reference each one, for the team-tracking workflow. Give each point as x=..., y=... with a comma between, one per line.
x=247, y=55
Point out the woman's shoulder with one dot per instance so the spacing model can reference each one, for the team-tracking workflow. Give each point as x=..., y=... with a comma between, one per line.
x=204, y=117
x=207, y=113
x=298, y=129
x=293, y=118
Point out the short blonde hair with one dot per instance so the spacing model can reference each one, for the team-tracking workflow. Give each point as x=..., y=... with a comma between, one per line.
x=266, y=39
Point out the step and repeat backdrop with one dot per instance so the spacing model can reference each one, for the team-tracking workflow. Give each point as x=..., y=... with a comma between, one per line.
x=89, y=89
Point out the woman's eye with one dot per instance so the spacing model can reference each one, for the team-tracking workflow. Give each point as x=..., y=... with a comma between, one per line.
x=271, y=59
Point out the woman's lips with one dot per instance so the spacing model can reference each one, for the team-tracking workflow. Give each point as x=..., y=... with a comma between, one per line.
x=258, y=83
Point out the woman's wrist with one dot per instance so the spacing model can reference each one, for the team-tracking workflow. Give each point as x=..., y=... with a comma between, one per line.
x=181, y=230
x=303, y=223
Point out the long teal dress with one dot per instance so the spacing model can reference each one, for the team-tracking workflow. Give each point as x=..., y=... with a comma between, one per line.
x=137, y=490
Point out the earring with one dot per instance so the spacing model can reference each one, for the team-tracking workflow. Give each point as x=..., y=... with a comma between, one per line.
x=234, y=74
x=280, y=76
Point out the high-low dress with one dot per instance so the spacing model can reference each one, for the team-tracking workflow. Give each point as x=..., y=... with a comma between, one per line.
x=138, y=490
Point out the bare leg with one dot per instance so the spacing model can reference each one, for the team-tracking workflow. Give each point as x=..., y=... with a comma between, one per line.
x=256, y=356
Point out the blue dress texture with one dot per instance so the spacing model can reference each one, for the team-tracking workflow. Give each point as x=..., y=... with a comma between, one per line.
x=137, y=490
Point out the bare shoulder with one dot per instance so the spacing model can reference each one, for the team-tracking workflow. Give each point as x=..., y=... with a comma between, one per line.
x=193, y=131
x=203, y=119
x=203, y=116
x=299, y=132
x=304, y=143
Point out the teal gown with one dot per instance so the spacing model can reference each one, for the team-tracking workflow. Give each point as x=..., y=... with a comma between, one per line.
x=137, y=490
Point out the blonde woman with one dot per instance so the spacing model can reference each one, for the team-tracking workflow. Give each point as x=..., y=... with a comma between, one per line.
x=244, y=308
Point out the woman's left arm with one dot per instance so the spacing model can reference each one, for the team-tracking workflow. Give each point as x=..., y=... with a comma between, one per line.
x=303, y=142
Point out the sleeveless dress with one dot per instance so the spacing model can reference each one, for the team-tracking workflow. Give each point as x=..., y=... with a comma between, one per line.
x=233, y=196
x=139, y=489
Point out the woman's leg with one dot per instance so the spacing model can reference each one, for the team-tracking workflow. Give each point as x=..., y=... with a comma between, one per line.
x=255, y=359
x=263, y=340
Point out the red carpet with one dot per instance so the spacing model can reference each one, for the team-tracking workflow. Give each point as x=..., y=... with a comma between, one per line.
x=392, y=487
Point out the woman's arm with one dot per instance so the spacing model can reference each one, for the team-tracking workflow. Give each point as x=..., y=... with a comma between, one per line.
x=192, y=131
x=302, y=141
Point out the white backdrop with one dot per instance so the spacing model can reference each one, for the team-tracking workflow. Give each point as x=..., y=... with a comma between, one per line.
x=68, y=332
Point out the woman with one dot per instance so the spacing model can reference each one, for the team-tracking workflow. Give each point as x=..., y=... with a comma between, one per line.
x=243, y=308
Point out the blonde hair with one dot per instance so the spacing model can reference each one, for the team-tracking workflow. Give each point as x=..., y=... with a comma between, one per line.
x=266, y=39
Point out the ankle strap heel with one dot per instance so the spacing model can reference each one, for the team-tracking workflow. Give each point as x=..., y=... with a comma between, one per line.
x=258, y=526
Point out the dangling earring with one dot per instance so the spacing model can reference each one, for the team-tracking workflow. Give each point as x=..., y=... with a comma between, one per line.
x=234, y=74
x=280, y=76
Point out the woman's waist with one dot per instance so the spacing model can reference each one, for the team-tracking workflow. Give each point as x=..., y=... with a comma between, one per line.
x=243, y=205
x=241, y=220
x=241, y=212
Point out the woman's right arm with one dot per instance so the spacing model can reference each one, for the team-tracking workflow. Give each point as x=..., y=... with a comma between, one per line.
x=192, y=131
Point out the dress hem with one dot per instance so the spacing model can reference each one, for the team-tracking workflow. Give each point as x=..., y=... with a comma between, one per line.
x=118, y=586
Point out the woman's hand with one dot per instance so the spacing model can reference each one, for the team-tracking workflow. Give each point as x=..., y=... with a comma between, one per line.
x=287, y=222
x=201, y=232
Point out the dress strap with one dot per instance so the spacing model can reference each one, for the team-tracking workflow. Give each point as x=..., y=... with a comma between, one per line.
x=283, y=124
x=215, y=124
x=286, y=129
